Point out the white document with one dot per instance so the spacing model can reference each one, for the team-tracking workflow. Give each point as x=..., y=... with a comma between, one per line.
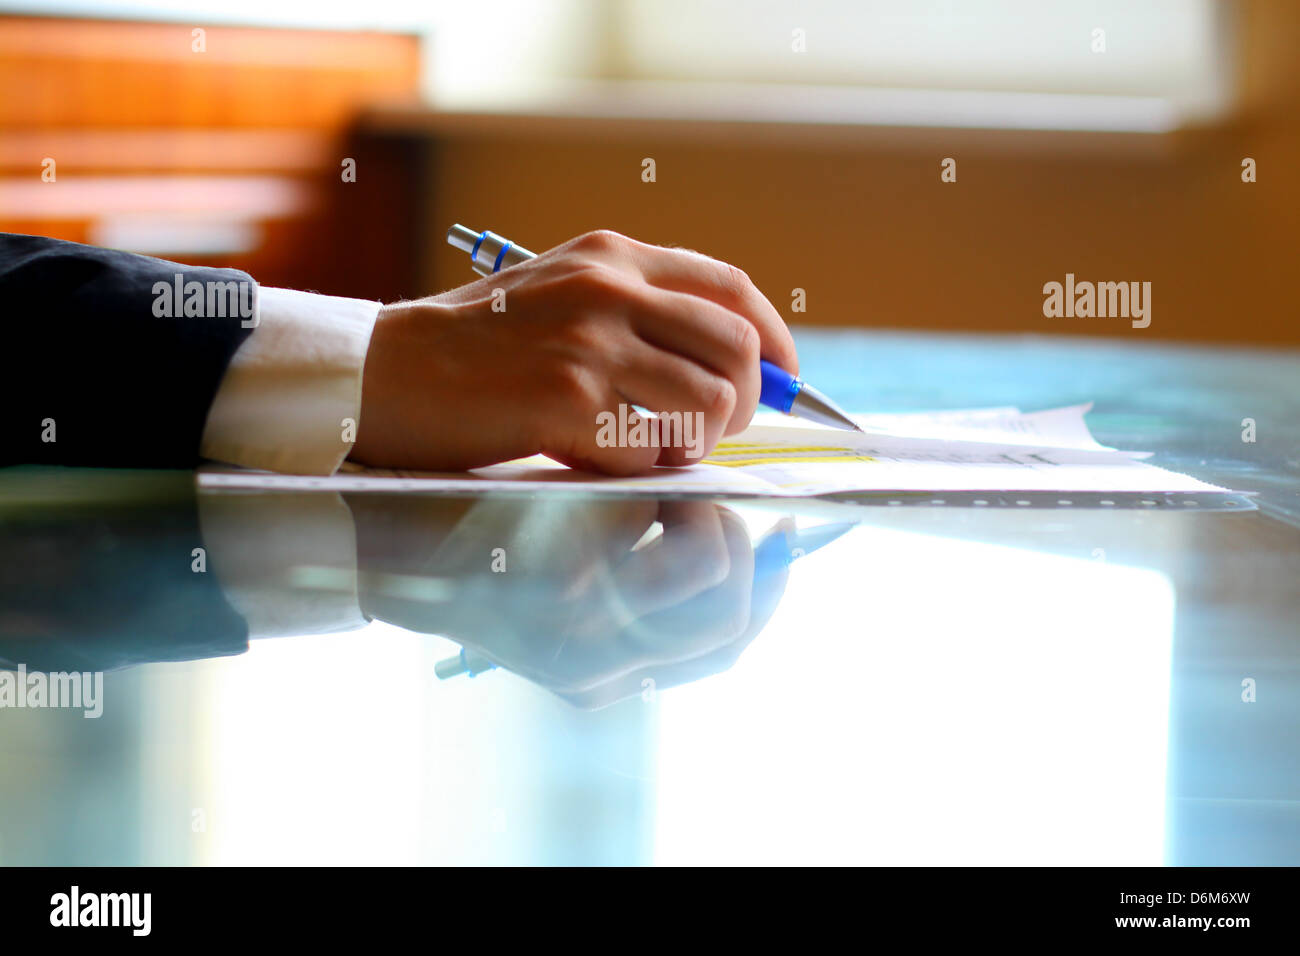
x=1058, y=427
x=994, y=449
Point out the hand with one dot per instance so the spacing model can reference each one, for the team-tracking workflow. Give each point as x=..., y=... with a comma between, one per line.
x=603, y=320
x=575, y=605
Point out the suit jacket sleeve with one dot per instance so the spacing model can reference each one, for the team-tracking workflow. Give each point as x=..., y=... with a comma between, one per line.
x=91, y=363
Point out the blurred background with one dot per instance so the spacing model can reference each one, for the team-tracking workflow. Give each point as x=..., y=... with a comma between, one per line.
x=802, y=141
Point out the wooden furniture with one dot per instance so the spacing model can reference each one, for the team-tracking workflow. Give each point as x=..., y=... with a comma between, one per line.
x=230, y=154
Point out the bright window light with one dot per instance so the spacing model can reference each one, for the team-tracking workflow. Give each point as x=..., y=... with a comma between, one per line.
x=983, y=705
x=1154, y=48
x=1134, y=61
x=1021, y=64
x=344, y=749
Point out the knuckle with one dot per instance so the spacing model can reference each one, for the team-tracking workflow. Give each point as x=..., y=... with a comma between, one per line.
x=731, y=283
x=573, y=385
x=599, y=282
x=718, y=396
x=748, y=343
x=601, y=240
x=733, y=280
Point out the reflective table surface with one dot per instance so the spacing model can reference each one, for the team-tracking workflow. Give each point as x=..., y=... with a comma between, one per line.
x=324, y=678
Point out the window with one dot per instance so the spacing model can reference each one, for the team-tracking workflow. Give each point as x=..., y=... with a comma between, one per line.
x=1106, y=64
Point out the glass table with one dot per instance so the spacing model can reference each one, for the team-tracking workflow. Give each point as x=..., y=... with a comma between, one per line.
x=361, y=678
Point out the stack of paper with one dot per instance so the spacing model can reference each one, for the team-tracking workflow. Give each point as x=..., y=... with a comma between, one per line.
x=992, y=449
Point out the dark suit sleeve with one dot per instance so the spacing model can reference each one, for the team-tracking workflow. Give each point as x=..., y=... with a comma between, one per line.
x=110, y=584
x=86, y=350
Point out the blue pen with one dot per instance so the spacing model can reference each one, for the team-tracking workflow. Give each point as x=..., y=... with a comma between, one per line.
x=780, y=549
x=490, y=253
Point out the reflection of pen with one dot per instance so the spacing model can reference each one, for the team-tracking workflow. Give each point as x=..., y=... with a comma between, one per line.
x=776, y=552
x=466, y=662
x=490, y=253
x=780, y=549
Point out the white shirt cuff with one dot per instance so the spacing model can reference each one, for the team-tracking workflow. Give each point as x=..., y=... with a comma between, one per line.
x=286, y=562
x=290, y=400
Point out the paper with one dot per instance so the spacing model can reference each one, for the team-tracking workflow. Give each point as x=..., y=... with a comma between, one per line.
x=1058, y=427
x=994, y=449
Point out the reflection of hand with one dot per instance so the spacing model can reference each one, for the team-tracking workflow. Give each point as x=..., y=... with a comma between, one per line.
x=579, y=609
x=452, y=382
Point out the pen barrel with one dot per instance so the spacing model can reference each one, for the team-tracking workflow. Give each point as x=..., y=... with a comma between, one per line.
x=466, y=662
x=778, y=387
x=771, y=557
x=491, y=253
x=462, y=237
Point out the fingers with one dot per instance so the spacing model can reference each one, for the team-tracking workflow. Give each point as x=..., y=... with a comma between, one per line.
x=680, y=270
x=691, y=556
x=693, y=404
x=686, y=597
x=707, y=562
x=709, y=336
x=606, y=531
x=692, y=362
x=585, y=431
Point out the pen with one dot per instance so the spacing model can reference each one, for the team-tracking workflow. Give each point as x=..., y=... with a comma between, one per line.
x=490, y=253
x=779, y=549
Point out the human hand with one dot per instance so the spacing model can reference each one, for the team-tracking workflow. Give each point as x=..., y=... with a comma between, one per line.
x=598, y=322
x=563, y=592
